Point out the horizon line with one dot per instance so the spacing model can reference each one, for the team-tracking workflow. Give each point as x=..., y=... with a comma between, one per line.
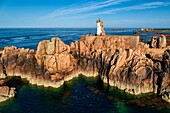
x=72, y=27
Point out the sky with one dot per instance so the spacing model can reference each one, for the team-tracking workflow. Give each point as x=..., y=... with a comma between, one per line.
x=84, y=13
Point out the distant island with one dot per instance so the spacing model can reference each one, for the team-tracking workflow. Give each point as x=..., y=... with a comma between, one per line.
x=120, y=61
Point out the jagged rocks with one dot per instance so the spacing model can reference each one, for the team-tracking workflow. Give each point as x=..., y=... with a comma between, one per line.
x=117, y=64
x=2, y=71
x=158, y=41
x=55, y=57
x=164, y=77
x=8, y=87
x=120, y=61
x=6, y=93
x=18, y=61
x=129, y=72
x=91, y=44
x=2, y=82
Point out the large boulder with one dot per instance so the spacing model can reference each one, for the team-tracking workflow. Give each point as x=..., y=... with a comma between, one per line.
x=162, y=41
x=158, y=41
x=6, y=93
x=54, y=56
x=164, y=77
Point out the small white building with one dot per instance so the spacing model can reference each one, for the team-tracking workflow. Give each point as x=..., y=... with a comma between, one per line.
x=99, y=30
x=100, y=27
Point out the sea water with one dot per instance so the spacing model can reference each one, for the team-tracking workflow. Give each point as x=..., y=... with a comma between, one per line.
x=30, y=37
x=80, y=95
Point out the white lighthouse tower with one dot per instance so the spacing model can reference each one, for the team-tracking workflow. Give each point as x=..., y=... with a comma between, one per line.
x=99, y=30
x=100, y=27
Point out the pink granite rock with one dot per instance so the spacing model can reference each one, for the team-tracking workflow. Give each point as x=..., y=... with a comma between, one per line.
x=120, y=61
x=6, y=93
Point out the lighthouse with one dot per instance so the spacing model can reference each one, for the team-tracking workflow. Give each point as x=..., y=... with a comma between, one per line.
x=100, y=28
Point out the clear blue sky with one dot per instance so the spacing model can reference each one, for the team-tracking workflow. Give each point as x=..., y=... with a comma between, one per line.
x=84, y=13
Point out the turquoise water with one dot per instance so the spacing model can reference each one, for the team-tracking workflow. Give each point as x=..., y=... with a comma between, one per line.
x=80, y=95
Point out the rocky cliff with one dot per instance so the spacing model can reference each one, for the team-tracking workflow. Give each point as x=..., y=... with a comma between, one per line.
x=120, y=61
x=117, y=62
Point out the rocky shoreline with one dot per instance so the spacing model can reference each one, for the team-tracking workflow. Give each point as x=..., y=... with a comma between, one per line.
x=9, y=87
x=120, y=61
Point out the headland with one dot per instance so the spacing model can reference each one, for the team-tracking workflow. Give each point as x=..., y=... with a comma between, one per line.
x=120, y=61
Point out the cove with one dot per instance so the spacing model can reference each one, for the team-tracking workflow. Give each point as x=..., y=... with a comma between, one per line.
x=80, y=95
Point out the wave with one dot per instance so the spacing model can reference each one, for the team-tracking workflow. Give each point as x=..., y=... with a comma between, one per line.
x=29, y=35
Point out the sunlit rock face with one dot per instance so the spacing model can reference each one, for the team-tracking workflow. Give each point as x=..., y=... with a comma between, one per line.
x=54, y=56
x=18, y=61
x=120, y=61
x=164, y=76
x=6, y=93
x=158, y=41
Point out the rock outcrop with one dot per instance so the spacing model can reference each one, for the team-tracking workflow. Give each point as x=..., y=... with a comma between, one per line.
x=8, y=87
x=158, y=41
x=120, y=61
x=164, y=82
x=167, y=39
x=6, y=93
x=55, y=59
x=116, y=61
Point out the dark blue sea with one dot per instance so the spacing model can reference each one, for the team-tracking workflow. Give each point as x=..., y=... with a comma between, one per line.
x=29, y=37
x=80, y=95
